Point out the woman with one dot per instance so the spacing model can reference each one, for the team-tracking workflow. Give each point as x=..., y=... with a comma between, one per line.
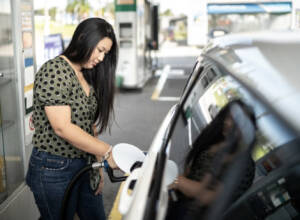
x=73, y=100
x=201, y=182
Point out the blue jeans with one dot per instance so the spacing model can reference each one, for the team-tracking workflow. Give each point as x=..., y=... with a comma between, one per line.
x=48, y=177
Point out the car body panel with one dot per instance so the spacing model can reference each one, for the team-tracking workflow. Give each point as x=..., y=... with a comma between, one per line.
x=141, y=189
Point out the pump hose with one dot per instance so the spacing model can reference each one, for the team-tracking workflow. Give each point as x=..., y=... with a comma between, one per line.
x=85, y=169
x=69, y=190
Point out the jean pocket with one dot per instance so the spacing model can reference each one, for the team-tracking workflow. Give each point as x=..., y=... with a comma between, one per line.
x=56, y=164
x=56, y=171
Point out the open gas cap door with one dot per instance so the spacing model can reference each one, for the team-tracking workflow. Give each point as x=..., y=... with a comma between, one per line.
x=126, y=155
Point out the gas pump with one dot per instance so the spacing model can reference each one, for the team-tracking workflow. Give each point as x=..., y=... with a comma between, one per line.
x=133, y=29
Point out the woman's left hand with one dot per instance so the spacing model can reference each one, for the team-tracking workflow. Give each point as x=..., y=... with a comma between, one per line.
x=100, y=188
x=101, y=183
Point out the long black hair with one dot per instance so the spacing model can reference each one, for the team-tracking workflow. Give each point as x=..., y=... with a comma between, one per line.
x=213, y=133
x=102, y=77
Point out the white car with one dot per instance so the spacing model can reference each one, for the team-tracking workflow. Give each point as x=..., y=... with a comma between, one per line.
x=263, y=70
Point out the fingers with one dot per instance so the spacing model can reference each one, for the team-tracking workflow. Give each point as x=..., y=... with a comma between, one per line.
x=98, y=191
x=111, y=162
x=100, y=188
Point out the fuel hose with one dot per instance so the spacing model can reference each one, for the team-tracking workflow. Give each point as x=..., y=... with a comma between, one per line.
x=85, y=169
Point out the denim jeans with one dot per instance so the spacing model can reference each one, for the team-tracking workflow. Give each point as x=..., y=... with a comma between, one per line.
x=48, y=177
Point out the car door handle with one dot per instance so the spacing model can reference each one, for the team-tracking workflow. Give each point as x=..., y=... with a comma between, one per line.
x=126, y=197
x=1, y=74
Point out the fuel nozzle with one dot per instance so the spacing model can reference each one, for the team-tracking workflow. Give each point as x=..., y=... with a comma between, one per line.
x=126, y=156
x=110, y=173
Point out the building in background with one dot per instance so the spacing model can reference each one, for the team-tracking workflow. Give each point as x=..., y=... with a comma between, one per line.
x=56, y=20
x=296, y=14
x=238, y=16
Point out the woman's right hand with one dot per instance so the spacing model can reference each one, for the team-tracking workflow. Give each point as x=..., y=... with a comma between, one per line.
x=111, y=161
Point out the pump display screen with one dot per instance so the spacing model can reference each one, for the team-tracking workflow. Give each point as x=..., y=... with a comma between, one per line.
x=125, y=30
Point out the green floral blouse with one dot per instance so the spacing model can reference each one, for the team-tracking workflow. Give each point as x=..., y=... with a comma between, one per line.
x=56, y=84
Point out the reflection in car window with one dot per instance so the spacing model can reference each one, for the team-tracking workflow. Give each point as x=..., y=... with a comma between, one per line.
x=211, y=75
x=204, y=82
x=272, y=134
x=203, y=105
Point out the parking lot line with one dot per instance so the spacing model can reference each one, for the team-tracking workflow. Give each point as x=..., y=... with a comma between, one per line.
x=166, y=98
x=166, y=74
x=161, y=82
x=114, y=213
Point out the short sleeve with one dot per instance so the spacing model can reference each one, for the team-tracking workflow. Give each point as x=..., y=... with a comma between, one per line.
x=53, y=84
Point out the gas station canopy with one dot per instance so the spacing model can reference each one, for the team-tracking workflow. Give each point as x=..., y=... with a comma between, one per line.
x=249, y=8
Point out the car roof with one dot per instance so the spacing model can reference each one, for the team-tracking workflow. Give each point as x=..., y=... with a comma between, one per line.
x=267, y=63
x=247, y=38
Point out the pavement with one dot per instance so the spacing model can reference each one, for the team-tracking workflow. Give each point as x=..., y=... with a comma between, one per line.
x=177, y=56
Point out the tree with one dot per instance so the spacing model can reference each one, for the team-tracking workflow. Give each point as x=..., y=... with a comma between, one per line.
x=78, y=8
x=83, y=9
x=39, y=12
x=71, y=7
x=52, y=13
x=167, y=12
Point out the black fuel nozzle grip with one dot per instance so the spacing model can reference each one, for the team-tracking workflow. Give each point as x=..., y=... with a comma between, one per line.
x=137, y=164
x=111, y=175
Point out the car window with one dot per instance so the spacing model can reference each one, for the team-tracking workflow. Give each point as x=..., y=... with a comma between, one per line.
x=198, y=121
x=276, y=143
x=204, y=82
x=206, y=100
x=211, y=75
